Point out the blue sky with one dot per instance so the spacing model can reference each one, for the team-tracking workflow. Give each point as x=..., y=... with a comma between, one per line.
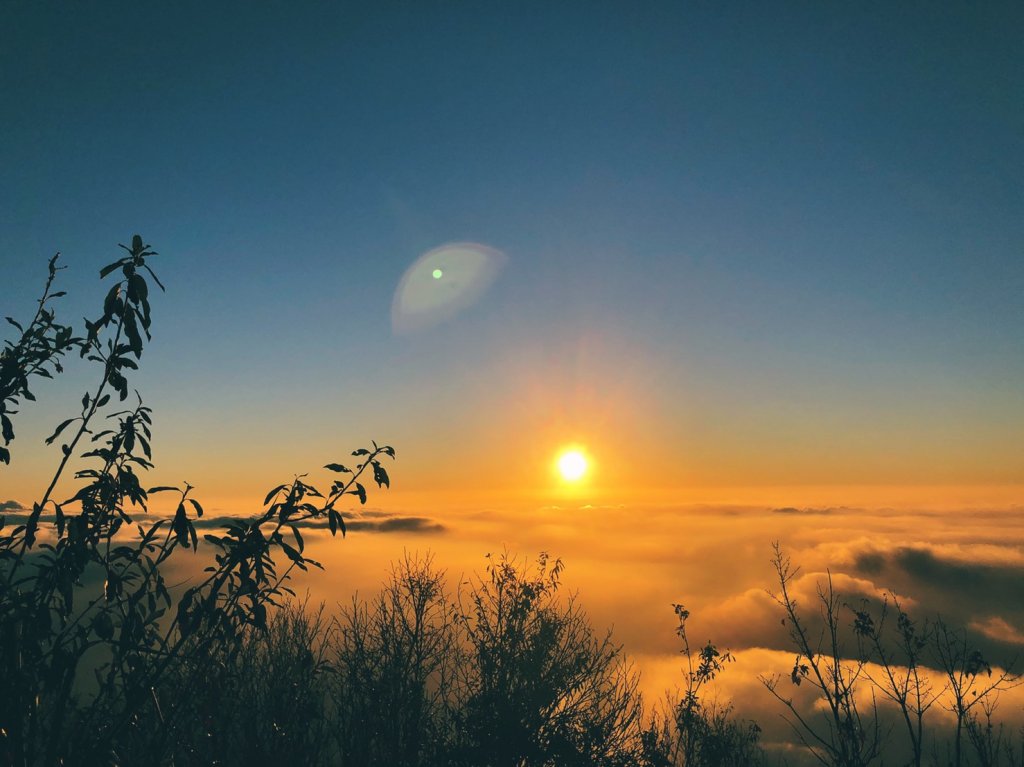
x=730, y=229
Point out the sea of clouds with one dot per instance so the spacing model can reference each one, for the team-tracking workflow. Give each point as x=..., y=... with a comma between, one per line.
x=628, y=566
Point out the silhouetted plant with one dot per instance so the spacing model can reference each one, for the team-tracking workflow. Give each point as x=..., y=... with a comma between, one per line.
x=971, y=685
x=540, y=686
x=80, y=598
x=45, y=637
x=698, y=731
x=843, y=736
x=259, y=700
x=505, y=675
x=899, y=650
x=396, y=659
x=905, y=657
x=990, y=741
x=36, y=352
x=906, y=652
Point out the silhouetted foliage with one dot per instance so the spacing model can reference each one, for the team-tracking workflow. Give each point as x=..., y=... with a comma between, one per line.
x=503, y=675
x=89, y=630
x=972, y=686
x=843, y=735
x=698, y=731
x=258, y=700
x=393, y=696
x=898, y=662
x=541, y=686
x=36, y=352
x=899, y=652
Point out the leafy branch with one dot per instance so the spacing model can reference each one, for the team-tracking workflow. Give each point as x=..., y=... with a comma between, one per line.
x=36, y=353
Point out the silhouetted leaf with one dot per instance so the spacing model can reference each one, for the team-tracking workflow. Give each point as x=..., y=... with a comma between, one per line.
x=298, y=538
x=359, y=491
x=180, y=526
x=103, y=625
x=292, y=554
x=155, y=278
x=272, y=493
x=119, y=382
x=380, y=476
x=137, y=289
x=184, y=614
x=338, y=467
x=111, y=303
x=109, y=268
x=58, y=430
x=131, y=329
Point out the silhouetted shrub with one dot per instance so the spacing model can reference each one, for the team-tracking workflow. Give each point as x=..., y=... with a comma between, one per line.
x=503, y=675
x=541, y=687
x=397, y=657
x=261, y=700
x=695, y=730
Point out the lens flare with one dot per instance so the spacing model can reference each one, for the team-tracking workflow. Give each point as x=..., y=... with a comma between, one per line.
x=443, y=282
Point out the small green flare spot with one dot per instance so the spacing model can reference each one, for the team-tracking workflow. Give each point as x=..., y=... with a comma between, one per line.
x=438, y=274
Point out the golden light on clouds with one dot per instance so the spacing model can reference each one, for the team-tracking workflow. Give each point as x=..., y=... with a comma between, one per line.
x=572, y=465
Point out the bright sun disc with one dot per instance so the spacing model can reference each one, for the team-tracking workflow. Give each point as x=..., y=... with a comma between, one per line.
x=572, y=465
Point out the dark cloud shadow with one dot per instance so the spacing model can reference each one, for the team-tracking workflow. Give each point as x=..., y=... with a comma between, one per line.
x=812, y=511
x=372, y=521
x=975, y=594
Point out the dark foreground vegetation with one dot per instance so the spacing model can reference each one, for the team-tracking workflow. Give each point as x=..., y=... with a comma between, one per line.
x=103, y=662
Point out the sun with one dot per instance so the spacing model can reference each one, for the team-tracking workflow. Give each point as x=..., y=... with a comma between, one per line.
x=572, y=465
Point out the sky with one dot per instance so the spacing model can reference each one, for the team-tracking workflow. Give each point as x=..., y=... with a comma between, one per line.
x=774, y=246
x=747, y=257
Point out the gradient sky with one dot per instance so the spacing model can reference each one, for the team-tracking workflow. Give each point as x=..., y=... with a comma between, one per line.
x=764, y=262
x=747, y=246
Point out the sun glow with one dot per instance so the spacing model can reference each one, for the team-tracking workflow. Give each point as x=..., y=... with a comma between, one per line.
x=572, y=465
